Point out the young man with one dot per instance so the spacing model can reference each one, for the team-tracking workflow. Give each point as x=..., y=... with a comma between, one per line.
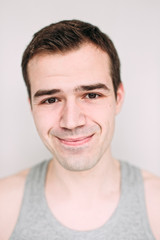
x=72, y=73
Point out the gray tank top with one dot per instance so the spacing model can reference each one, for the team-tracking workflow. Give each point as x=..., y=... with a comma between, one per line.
x=128, y=222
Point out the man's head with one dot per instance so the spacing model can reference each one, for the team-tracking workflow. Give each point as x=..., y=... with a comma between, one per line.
x=72, y=73
x=66, y=36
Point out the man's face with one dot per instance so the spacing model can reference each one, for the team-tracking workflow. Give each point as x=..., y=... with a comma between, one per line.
x=74, y=105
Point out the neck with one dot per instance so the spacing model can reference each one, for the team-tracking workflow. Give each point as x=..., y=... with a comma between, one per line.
x=103, y=179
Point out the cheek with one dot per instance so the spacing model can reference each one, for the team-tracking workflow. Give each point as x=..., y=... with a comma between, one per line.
x=44, y=121
x=103, y=114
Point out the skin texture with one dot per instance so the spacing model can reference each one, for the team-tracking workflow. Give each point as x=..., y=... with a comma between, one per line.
x=74, y=109
x=78, y=127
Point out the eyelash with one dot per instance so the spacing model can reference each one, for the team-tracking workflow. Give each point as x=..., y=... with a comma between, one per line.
x=46, y=101
x=92, y=95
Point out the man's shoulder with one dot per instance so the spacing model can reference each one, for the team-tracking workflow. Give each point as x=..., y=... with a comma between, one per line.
x=11, y=194
x=12, y=184
x=152, y=196
x=151, y=184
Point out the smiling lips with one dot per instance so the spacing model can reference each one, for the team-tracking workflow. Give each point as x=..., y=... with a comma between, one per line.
x=76, y=141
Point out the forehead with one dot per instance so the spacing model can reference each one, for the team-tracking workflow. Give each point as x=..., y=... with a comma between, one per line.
x=88, y=64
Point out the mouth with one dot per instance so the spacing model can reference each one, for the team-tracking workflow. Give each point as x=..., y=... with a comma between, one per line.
x=76, y=141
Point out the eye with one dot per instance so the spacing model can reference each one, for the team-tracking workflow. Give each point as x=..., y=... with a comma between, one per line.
x=50, y=100
x=92, y=95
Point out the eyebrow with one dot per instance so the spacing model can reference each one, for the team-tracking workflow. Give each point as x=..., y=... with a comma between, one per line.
x=91, y=87
x=42, y=92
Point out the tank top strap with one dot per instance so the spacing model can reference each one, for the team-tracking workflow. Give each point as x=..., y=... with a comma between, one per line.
x=35, y=181
x=130, y=178
x=133, y=196
x=32, y=201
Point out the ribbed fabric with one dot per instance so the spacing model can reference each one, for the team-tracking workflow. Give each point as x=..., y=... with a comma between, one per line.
x=128, y=222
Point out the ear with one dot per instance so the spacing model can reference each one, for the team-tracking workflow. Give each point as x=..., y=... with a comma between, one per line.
x=120, y=98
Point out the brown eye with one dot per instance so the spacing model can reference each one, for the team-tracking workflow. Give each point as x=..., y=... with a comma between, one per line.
x=51, y=100
x=92, y=95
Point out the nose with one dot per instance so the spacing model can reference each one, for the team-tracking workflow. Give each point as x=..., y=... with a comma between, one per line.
x=72, y=116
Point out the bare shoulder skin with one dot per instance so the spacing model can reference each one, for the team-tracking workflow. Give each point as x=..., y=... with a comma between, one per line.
x=11, y=194
x=152, y=194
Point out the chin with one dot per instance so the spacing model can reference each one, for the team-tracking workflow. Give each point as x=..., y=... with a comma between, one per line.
x=78, y=163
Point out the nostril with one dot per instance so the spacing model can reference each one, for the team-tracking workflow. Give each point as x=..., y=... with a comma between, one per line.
x=72, y=119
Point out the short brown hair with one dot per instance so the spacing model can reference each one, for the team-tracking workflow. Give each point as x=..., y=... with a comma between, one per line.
x=66, y=36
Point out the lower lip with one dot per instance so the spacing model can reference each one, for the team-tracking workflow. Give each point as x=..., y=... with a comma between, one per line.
x=76, y=143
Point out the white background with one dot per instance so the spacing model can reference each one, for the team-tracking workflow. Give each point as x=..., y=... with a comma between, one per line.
x=134, y=27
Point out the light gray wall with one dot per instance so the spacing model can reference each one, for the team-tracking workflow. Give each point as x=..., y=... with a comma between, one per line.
x=133, y=26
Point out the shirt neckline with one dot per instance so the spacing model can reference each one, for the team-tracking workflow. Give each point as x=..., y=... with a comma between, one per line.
x=106, y=227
